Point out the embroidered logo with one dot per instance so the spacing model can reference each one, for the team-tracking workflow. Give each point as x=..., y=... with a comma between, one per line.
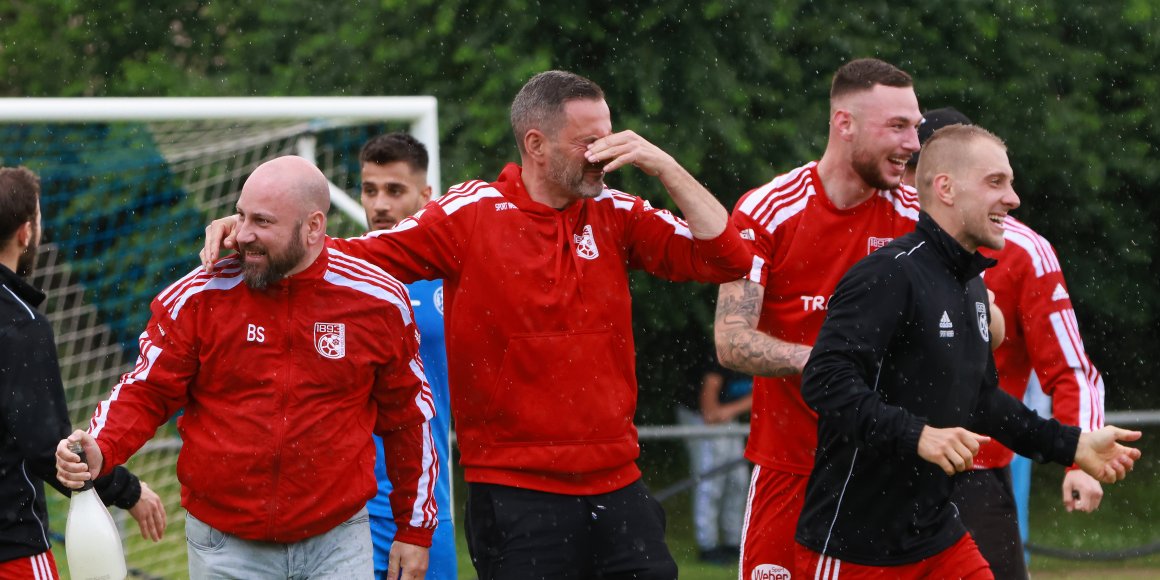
x=330, y=339
x=1059, y=294
x=769, y=572
x=586, y=244
x=984, y=328
x=504, y=205
x=945, y=328
x=873, y=243
x=747, y=234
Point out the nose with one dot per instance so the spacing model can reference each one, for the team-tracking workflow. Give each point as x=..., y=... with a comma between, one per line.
x=910, y=140
x=245, y=233
x=381, y=204
x=1011, y=199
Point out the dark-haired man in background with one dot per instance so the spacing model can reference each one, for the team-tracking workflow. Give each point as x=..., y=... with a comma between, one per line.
x=394, y=187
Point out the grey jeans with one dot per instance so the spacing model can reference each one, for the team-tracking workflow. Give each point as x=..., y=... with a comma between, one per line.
x=342, y=553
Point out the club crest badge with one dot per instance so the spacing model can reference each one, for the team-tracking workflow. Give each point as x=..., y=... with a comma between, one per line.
x=330, y=339
x=873, y=243
x=984, y=328
x=437, y=299
x=586, y=244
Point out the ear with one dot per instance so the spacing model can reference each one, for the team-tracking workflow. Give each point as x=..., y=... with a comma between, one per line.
x=535, y=142
x=315, y=227
x=944, y=190
x=425, y=194
x=23, y=236
x=843, y=122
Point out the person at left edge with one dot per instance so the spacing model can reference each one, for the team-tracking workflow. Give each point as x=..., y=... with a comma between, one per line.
x=286, y=358
x=33, y=411
x=394, y=187
x=539, y=331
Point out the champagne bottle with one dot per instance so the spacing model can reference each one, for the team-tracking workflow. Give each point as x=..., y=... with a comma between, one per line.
x=92, y=543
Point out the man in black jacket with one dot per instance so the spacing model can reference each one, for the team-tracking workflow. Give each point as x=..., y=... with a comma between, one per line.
x=33, y=414
x=902, y=379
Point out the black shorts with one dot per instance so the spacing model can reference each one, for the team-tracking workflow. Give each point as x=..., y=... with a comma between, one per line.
x=986, y=506
x=515, y=533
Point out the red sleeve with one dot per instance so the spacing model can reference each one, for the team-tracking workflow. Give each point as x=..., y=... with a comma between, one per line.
x=1054, y=344
x=152, y=392
x=425, y=246
x=405, y=410
x=759, y=242
x=661, y=244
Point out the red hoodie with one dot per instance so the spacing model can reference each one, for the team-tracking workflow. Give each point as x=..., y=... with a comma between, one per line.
x=539, y=323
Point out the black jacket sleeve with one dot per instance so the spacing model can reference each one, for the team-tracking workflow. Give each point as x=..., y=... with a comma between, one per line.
x=34, y=413
x=1008, y=420
x=840, y=378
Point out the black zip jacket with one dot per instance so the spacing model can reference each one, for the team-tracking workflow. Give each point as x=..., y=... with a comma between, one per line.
x=905, y=344
x=33, y=419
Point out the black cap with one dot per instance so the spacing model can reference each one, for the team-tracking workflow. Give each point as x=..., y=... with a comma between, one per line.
x=934, y=120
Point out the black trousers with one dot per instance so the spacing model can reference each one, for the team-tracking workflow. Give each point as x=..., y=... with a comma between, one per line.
x=515, y=533
x=986, y=505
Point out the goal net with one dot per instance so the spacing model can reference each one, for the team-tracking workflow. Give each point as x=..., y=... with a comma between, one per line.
x=127, y=186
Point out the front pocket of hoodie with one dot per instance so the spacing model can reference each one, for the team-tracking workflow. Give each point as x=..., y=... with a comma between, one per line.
x=561, y=388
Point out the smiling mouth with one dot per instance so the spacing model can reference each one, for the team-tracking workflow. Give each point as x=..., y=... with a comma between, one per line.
x=997, y=219
x=898, y=162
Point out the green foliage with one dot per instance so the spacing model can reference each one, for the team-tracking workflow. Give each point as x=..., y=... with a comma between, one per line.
x=736, y=91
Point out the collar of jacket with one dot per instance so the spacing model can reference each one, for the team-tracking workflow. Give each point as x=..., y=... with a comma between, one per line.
x=22, y=288
x=511, y=184
x=963, y=264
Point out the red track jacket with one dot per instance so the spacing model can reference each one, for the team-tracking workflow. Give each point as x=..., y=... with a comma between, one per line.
x=539, y=322
x=281, y=390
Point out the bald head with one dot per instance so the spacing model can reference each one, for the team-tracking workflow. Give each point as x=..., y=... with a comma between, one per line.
x=294, y=180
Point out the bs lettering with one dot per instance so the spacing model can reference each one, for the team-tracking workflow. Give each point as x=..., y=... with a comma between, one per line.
x=255, y=333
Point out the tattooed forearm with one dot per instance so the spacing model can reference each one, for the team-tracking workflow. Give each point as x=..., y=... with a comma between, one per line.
x=742, y=347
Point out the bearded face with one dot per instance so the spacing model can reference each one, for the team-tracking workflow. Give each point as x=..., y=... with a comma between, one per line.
x=262, y=266
x=26, y=263
x=573, y=173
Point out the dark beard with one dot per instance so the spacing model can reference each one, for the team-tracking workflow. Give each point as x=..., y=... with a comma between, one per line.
x=868, y=170
x=258, y=277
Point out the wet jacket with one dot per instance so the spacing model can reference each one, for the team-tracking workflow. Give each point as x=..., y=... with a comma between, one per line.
x=905, y=344
x=33, y=419
x=539, y=322
x=281, y=390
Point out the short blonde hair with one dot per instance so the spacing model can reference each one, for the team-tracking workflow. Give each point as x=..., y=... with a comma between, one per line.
x=943, y=153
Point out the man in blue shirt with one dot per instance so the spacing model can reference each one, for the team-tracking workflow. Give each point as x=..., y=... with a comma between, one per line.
x=394, y=186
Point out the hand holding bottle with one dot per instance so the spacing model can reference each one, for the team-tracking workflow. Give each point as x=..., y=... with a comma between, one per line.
x=72, y=470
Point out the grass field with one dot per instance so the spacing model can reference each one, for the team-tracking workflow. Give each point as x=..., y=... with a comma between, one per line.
x=1127, y=518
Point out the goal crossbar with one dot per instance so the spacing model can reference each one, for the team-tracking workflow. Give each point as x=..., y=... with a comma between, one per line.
x=420, y=111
